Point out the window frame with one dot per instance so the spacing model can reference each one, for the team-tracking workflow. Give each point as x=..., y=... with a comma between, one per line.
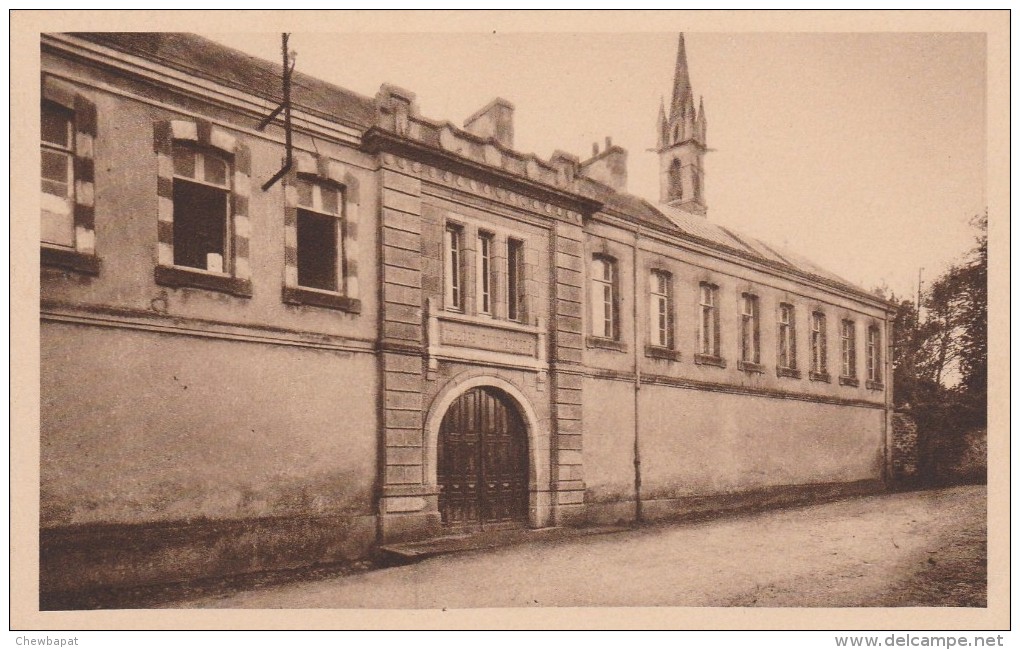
x=453, y=267
x=873, y=355
x=515, y=268
x=324, y=172
x=709, y=326
x=200, y=154
x=848, y=352
x=660, y=309
x=67, y=152
x=819, y=370
x=204, y=136
x=786, y=340
x=750, y=332
x=80, y=257
x=599, y=286
x=485, y=241
x=317, y=185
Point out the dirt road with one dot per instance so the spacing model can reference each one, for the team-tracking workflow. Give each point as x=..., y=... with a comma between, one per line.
x=907, y=549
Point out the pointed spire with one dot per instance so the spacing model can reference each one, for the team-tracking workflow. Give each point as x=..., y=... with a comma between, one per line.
x=701, y=123
x=663, y=126
x=681, y=82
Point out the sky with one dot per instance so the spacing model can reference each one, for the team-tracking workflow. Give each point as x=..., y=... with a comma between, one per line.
x=865, y=152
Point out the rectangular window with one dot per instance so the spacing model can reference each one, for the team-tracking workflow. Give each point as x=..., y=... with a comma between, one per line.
x=848, y=336
x=750, y=336
x=787, y=337
x=57, y=173
x=818, y=351
x=874, y=355
x=515, y=279
x=453, y=293
x=318, y=236
x=484, y=273
x=603, y=298
x=201, y=218
x=660, y=308
x=709, y=323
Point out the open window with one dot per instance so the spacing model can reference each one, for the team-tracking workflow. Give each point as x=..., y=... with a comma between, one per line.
x=201, y=197
x=202, y=186
x=320, y=222
x=319, y=241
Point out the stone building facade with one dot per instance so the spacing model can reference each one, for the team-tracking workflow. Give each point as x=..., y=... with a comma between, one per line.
x=418, y=330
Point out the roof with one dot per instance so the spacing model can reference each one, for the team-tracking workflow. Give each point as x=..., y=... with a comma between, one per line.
x=698, y=227
x=209, y=60
x=212, y=61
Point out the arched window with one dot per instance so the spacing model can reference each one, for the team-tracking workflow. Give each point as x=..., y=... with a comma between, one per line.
x=676, y=180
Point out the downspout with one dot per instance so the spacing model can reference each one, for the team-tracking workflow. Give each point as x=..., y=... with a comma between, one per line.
x=638, y=515
x=887, y=468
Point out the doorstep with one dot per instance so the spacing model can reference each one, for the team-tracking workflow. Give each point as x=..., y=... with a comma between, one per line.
x=489, y=539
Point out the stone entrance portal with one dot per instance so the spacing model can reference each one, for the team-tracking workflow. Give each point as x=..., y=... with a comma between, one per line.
x=482, y=461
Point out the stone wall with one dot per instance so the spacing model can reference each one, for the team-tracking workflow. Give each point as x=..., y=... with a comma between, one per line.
x=904, y=448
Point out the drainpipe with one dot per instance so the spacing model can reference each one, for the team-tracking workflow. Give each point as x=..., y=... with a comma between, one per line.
x=887, y=372
x=638, y=516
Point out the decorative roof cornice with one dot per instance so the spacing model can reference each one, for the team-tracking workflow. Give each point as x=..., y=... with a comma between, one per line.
x=376, y=140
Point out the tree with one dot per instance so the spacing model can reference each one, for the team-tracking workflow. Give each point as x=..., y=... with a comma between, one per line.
x=974, y=315
x=941, y=362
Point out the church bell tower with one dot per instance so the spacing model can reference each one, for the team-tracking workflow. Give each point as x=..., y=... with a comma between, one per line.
x=681, y=144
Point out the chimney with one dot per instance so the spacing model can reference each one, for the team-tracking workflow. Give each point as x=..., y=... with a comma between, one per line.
x=608, y=167
x=495, y=120
x=395, y=106
x=567, y=167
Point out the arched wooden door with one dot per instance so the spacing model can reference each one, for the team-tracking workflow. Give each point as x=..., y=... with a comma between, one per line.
x=482, y=461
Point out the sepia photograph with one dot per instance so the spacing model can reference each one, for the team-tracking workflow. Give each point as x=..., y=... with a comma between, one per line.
x=389, y=311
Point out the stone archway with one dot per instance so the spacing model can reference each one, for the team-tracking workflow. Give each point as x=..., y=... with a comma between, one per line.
x=482, y=461
x=533, y=438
